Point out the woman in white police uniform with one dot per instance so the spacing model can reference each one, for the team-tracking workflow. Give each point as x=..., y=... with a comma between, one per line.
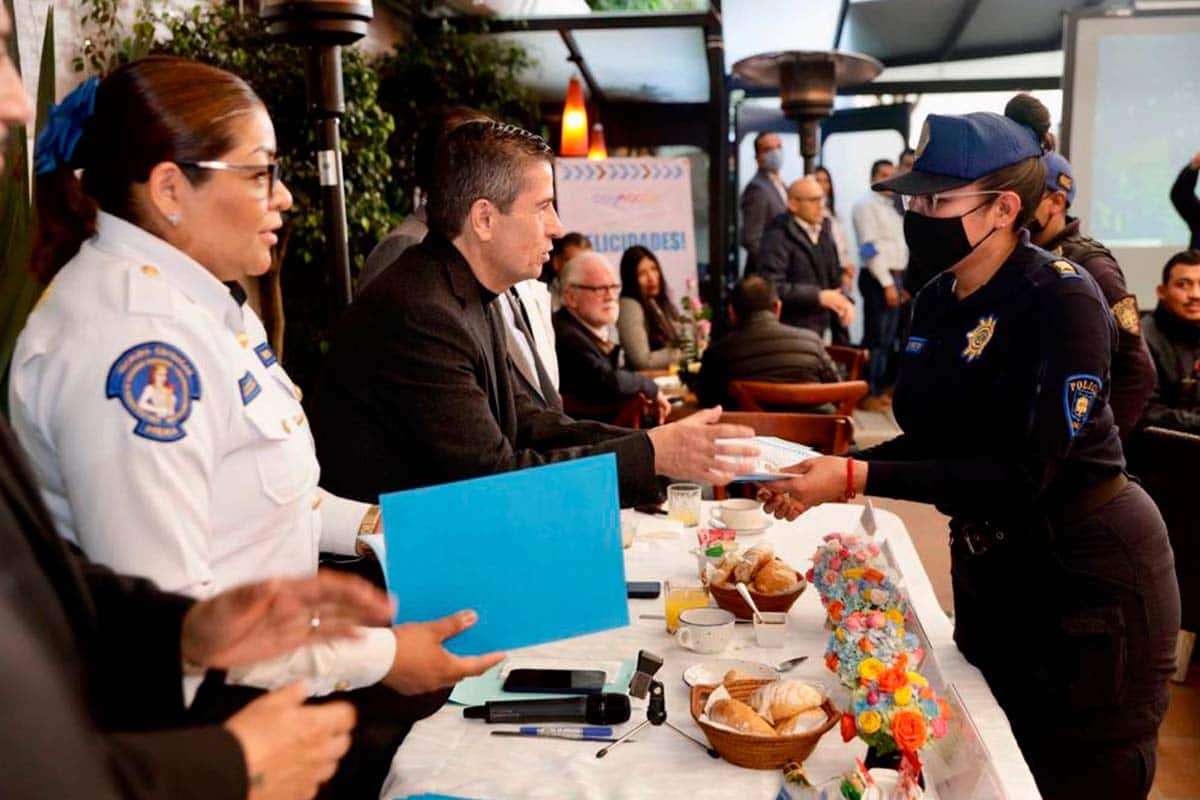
x=168, y=440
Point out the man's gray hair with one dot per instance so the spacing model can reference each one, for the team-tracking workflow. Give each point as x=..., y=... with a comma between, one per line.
x=573, y=269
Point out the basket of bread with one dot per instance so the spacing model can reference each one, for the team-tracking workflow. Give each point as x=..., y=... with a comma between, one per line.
x=773, y=584
x=760, y=723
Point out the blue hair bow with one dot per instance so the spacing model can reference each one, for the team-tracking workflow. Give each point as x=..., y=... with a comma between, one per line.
x=64, y=126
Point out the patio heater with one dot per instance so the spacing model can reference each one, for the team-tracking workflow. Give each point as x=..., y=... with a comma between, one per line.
x=807, y=82
x=323, y=26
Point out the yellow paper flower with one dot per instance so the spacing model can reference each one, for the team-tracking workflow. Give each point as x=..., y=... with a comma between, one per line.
x=871, y=668
x=902, y=696
x=917, y=678
x=869, y=721
x=841, y=634
x=894, y=615
x=855, y=572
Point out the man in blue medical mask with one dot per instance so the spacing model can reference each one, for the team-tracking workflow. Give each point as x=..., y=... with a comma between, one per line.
x=764, y=198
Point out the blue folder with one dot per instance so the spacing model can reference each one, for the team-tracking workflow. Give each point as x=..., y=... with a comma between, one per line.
x=537, y=552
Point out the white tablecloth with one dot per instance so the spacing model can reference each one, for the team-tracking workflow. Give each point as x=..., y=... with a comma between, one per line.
x=446, y=754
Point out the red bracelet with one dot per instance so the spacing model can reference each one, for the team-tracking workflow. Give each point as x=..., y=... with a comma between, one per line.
x=850, y=493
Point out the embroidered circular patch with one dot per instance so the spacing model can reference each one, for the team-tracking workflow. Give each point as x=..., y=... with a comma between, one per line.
x=157, y=384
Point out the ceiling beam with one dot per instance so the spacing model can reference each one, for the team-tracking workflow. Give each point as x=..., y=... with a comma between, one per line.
x=957, y=27
x=1052, y=43
x=841, y=24
x=576, y=58
x=602, y=20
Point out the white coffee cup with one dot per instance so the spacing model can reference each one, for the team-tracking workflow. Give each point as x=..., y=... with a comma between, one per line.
x=770, y=628
x=739, y=514
x=705, y=630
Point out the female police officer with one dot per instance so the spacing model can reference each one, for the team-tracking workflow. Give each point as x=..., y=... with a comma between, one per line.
x=217, y=479
x=1064, y=591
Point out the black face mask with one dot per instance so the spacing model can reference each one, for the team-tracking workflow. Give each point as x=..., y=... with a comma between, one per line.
x=938, y=243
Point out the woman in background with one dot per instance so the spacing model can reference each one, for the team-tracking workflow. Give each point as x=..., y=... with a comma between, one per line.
x=845, y=260
x=648, y=323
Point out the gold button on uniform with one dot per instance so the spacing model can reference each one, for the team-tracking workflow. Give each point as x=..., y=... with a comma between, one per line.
x=296, y=391
x=286, y=427
x=243, y=339
x=299, y=420
x=149, y=270
x=316, y=501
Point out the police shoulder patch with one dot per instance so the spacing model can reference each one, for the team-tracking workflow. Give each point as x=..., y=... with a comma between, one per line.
x=915, y=345
x=1125, y=311
x=1065, y=268
x=1079, y=398
x=265, y=354
x=157, y=384
x=249, y=388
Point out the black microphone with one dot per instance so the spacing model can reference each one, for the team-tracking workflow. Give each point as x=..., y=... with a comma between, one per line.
x=595, y=709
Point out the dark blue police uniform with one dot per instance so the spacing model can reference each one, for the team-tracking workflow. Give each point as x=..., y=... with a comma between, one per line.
x=1064, y=590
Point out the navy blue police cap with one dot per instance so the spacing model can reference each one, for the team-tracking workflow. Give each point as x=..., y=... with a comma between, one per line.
x=1058, y=175
x=956, y=150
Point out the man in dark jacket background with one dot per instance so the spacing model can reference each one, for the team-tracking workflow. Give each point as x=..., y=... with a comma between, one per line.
x=799, y=256
x=761, y=348
x=1173, y=333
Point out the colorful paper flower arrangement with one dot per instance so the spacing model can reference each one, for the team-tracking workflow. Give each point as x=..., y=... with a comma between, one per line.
x=892, y=706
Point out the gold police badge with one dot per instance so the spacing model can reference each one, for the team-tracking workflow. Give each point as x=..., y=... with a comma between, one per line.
x=978, y=337
x=1125, y=311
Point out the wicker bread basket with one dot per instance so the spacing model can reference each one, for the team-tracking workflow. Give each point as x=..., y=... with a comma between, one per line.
x=727, y=597
x=758, y=752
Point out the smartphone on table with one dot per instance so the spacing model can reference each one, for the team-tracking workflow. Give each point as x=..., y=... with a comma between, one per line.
x=555, y=681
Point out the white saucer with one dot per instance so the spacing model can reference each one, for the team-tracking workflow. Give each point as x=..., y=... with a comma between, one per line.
x=711, y=672
x=756, y=530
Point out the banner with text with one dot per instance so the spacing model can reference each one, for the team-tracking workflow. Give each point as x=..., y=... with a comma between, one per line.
x=620, y=202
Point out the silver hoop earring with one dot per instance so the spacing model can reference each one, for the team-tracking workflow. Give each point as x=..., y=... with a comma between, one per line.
x=173, y=219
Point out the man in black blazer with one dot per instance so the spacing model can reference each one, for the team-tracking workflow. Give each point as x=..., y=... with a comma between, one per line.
x=416, y=389
x=763, y=199
x=799, y=256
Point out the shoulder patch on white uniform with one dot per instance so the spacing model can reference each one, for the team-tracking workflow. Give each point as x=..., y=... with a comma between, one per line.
x=157, y=384
x=265, y=354
x=148, y=293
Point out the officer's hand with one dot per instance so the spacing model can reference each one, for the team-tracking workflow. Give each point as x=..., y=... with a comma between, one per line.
x=779, y=503
x=263, y=620
x=422, y=664
x=290, y=748
x=688, y=448
x=1195, y=162
x=663, y=404
x=891, y=297
x=818, y=480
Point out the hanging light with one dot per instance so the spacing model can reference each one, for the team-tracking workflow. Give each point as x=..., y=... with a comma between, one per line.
x=574, y=122
x=596, y=150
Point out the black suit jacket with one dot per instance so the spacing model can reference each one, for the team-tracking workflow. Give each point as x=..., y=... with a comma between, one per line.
x=761, y=202
x=83, y=653
x=588, y=374
x=417, y=391
x=800, y=270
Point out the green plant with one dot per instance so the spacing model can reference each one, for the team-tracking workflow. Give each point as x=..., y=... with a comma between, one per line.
x=443, y=69
x=223, y=37
x=19, y=288
x=647, y=5
x=105, y=44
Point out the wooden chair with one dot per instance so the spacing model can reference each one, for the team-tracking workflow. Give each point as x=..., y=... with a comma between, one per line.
x=626, y=413
x=829, y=433
x=796, y=397
x=851, y=359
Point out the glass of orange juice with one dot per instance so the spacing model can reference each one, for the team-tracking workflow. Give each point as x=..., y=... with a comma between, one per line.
x=680, y=596
x=683, y=503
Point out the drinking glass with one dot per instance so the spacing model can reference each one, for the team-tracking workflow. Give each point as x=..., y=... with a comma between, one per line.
x=683, y=503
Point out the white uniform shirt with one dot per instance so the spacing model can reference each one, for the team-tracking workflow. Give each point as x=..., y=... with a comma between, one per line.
x=876, y=222
x=218, y=491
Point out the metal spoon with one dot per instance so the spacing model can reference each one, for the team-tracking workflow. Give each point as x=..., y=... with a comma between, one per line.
x=745, y=593
x=791, y=663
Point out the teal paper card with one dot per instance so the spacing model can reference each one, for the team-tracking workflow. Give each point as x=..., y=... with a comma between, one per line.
x=536, y=552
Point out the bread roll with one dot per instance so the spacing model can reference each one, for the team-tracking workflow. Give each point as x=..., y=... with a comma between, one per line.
x=804, y=722
x=775, y=578
x=725, y=569
x=782, y=699
x=739, y=716
x=752, y=561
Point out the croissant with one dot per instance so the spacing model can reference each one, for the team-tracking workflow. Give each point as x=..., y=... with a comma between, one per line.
x=782, y=699
x=775, y=578
x=740, y=717
x=752, y=561
x=804, y=722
